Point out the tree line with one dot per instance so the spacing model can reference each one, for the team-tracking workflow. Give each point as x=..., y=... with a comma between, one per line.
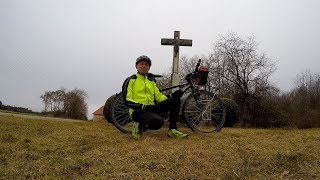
x=238, y=70
x=15, y=109
x=67, y=104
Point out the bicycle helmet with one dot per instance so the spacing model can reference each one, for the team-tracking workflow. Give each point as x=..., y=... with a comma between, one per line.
x=143, y=57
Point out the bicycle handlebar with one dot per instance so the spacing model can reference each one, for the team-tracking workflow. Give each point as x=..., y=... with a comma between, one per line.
x=197, y=66
x=194, y=74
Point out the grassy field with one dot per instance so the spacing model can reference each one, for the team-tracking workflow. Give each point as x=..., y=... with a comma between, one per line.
x=44, y=149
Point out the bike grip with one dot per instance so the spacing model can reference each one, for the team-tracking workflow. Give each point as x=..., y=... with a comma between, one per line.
x=198, y=64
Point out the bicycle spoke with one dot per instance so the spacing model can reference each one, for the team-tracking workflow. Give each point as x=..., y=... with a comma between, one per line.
x=120, y=115
x=204, y=113
x=122, y=119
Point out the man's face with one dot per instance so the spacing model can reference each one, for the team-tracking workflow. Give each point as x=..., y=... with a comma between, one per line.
x=143, y=67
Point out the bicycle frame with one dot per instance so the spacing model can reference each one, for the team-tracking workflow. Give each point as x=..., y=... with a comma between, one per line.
x=189, y=85
x=180, y=85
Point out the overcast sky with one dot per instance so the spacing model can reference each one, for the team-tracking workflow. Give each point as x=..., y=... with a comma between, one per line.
x=93, y=44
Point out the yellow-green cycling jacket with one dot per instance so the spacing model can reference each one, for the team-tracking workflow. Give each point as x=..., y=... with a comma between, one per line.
x=139, y=90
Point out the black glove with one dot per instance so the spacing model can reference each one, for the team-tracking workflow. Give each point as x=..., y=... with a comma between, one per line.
x=188, y=76
x=177, y=94
x=148, y=108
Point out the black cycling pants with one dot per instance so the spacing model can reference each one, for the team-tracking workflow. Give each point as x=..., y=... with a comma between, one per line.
x=154, y=120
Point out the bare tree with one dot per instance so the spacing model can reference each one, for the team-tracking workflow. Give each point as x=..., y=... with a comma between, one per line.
x=58, y=99
x=187, y=65
x=239, y=70
x=65, y=104
x=47, y=100
x=217, y=68
x=242, y=64
x=305, y=100
x=53, y=100
x=75, y=105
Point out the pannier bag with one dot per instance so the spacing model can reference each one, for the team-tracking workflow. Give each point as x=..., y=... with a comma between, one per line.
x=202, y=76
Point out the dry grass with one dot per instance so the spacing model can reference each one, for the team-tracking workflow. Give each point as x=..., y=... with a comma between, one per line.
x=45, y=149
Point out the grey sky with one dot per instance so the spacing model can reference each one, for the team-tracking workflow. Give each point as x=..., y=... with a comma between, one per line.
x=92, y=45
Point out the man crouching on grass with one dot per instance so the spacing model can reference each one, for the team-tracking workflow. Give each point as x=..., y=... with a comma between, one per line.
x=141, y=94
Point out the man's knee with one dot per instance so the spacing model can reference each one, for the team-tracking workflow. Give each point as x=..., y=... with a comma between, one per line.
x=155, y=123
x=148, y=120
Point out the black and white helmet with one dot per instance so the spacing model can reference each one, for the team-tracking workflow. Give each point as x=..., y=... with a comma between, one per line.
x=143, y=57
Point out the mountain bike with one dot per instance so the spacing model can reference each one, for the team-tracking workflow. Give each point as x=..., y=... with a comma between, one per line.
x=202, y=111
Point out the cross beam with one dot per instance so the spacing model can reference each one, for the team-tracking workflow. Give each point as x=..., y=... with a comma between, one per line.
x=176, y=43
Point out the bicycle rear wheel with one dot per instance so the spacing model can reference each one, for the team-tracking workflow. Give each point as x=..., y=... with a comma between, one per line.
x=120, y=115
x=204, y=112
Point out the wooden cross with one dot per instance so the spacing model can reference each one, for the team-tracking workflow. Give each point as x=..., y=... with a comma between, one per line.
x=176, y=42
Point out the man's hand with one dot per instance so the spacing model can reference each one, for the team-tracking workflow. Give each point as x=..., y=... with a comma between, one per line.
x=177, y=94
x=148, y=108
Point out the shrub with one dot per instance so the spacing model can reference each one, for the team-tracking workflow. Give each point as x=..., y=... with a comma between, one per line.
x=232, y=110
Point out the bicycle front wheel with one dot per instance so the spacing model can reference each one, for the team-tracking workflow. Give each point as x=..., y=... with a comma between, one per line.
x=204, y=112
x=120, y=115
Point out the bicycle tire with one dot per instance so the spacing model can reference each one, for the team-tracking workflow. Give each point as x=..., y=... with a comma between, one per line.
x=197, y=116
x=107, y=109
x=120, y=115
